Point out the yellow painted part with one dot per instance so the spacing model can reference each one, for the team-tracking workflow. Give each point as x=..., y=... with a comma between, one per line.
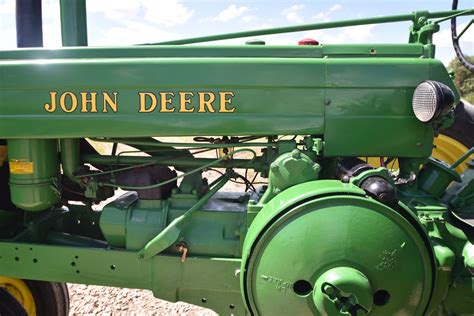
x=20, y=291
x=448, y=149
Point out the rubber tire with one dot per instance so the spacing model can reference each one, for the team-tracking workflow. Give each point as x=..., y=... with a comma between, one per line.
x=9, y=306
x=50, y=298
x=462, y=129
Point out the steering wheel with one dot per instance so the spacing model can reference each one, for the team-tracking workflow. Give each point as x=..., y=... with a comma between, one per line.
x=455, y=38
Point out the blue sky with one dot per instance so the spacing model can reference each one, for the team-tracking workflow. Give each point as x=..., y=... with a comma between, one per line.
x=124, y=22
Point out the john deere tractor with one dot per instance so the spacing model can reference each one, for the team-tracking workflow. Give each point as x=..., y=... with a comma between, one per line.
x=251, y=179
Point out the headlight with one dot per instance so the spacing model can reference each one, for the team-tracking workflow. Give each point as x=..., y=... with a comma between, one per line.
x=431, y=100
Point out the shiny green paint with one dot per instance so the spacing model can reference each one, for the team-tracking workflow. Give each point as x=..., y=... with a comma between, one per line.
x=436, y=176
x=341, y=95
x=36, y=187
x=163, y=161
x=142, y=220
x=172, y=232
x=326, y=96
x=215, y=230
x=343, y=290
x=69, y=149
x=276, y=51
x=452, y=294
x=213, y=279
x=73, y=22
x=287, y=170
x=325, y=230
x=461, y=195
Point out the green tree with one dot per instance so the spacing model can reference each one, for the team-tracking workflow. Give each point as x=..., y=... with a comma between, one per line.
x=463, y=78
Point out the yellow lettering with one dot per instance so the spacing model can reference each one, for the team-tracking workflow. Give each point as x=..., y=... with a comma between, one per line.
x=63, y=104
x=108, y=101
x=51, y=107
x=92, y=101
x=225, y=101
x=143, y=98
x=183, y=101
x=203, y=103
x=165, y=101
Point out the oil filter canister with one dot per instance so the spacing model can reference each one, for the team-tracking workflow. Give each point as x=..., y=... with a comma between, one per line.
x=34, y=170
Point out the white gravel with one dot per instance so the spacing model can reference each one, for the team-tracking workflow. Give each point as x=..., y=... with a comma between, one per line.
x=102, y=300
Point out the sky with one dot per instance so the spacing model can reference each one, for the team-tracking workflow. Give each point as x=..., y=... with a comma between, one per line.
x=126, y=22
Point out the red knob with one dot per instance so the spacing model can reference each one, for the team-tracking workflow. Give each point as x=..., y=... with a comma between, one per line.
x=308, y=41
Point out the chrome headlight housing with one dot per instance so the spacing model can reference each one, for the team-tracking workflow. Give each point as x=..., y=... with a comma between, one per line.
x=431, y=100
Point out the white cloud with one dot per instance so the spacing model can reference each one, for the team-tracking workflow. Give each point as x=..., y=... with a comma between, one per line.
x=248, y=18
x=353, y=34
x=444, y=44
x=131, y=22
x=169, y=13
x=114, y=9
x=7, y=7
x=293, y=13
x=230, y=13
x=335, y=7
x=51, y=24
x=442, y=39
x=325, y=15
x=134, y=32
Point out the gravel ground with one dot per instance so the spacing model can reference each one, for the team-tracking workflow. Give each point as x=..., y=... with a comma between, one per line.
x=102, y=300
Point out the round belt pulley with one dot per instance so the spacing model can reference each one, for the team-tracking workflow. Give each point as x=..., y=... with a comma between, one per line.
x=337, y=253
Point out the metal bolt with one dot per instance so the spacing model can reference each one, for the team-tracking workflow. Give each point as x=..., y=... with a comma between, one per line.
x=296, y=154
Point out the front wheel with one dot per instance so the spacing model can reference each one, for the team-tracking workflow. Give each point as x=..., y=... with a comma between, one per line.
x=456, y=140
x=39, y=298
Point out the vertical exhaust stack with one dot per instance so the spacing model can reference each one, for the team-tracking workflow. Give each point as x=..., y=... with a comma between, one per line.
x=29, y=23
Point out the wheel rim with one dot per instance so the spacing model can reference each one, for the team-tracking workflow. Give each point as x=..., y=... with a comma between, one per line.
x=445, y=148
x=449, y=150
x=20, y=291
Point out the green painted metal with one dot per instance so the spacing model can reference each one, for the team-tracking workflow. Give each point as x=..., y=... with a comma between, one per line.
x=143, y=219
x=276, y=51
x=69, y=149
x=73, y=22
x=287, y=170
x=329, y=96
x=304, y=243
x=312, y=235
x=343, y=290
x=34, y=173
x=213, y=279
x=170, y=234
x=164, y=161
x=436, y=176
x=215, y=230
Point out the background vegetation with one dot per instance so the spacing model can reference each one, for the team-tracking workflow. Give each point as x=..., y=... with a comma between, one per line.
x=463, y=78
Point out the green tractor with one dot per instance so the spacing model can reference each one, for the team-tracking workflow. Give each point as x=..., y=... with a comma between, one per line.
x=250, y=179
